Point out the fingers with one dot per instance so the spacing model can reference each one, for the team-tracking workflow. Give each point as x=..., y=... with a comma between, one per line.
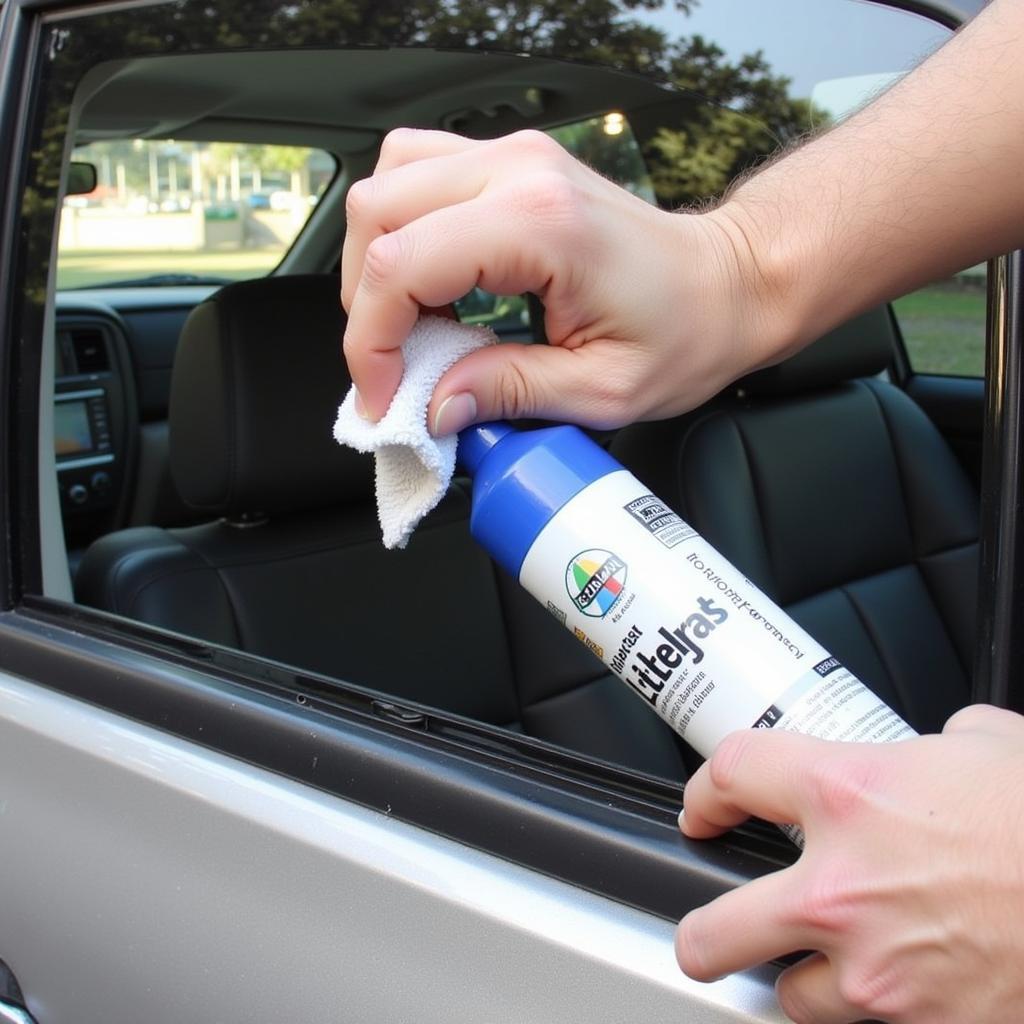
x=985, y=718
x=374, y=361
x=431, y=262
x=387, y=201
x=809, y=993
x=753, y=772
x=441, y=216
x=745, y=927
x=401, y=272
x=403, y=145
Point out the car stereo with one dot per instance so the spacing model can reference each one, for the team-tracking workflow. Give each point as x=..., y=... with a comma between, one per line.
x=83, y=447
x=81, y=425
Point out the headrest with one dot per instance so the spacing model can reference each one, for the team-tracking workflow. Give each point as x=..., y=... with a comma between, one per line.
x=862, y=347
x=258, y=376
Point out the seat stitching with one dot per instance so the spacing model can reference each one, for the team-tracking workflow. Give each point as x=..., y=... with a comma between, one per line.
x=874, y=576
x=604, y=674
x=758, y=503
x=896, y=459
x=926, y=582
x=919, y=557
x=872, y=635
x=239, y=639
x=510, y=647
x=129, y=604
x=946, y=551
x=120, y=567
x=684, y=508
x=162, y=578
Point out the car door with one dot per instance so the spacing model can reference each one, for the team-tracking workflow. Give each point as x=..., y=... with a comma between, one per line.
x=193, y=833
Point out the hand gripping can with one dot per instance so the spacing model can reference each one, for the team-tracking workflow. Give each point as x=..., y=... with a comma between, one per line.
x=666, y=612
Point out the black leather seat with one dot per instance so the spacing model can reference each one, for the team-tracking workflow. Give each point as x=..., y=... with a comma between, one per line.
x=835, y=494
x=291, y=565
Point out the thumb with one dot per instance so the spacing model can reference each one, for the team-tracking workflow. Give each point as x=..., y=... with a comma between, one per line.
x=986, y=719
x=511, y=381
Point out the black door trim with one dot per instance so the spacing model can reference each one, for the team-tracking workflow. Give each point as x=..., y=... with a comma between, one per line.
x=612, y=843
x=999, y=669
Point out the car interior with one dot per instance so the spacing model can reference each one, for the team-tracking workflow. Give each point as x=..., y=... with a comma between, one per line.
x=208, y=499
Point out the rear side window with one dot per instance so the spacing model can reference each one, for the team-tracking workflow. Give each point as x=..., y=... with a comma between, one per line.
x=943, y=325
x=166, y=211
x=298, y=596
x=608, y=145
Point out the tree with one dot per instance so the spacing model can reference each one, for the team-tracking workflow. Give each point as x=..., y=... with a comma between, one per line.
x=746, y=113
x=693, y=154
x=292, y=160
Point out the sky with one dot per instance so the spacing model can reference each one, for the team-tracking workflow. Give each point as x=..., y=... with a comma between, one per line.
x=811, y=40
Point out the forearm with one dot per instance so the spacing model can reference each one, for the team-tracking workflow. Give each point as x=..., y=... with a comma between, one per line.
x=923, y=182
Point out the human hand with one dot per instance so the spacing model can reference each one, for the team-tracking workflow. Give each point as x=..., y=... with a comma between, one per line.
x=647, y=313
x=911, y=884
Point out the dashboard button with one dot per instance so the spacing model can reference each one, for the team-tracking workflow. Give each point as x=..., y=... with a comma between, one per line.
x=78, y=494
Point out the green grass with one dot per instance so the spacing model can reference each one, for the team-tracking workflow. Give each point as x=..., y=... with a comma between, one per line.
x=943, y=327
x=81, y=269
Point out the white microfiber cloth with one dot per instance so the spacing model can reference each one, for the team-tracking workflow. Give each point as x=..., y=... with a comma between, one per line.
x=413, y=469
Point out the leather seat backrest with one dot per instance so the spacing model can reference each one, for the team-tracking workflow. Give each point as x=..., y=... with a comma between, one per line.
x=833, y=492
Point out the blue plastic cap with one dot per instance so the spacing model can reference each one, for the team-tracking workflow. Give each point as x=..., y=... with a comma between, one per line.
x=521, y=479
x=476, y=441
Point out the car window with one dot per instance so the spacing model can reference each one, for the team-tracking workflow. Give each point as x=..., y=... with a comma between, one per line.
x=507, y=315
x=170, y=211
x=608, y=145
x=672, y=100
x=943, y=325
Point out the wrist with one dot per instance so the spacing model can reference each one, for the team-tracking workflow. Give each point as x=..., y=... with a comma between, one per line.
x=764, y=285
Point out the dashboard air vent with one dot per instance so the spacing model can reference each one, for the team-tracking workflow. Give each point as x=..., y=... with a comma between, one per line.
x=90, y=350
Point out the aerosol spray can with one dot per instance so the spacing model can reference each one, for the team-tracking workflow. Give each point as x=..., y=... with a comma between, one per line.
x=665, y=611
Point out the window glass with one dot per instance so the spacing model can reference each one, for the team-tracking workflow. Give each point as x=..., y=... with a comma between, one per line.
x=164, y=211
x=506, y=315
x=672, y=99
x=943, y=325
x=609, y=146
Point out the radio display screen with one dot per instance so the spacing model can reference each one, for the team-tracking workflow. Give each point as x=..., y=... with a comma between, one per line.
x=71, y=431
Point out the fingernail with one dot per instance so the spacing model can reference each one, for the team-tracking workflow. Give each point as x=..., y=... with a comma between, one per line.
x=359, y=407
x=682, y=819
x=456, y=412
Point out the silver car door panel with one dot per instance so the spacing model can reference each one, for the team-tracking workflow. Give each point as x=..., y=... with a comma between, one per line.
x=611, y=832
x=124, y=849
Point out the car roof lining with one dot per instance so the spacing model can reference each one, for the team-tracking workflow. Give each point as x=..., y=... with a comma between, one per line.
x=266, y=96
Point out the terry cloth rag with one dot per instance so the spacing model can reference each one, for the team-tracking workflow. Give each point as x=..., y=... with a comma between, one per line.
x=413, y=469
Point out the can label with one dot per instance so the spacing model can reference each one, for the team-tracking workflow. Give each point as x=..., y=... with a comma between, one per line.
x=685, y=630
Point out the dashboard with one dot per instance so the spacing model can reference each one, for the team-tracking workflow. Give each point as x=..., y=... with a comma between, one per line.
x=113, y=360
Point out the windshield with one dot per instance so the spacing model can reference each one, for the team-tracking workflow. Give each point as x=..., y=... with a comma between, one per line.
x=172, y=212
